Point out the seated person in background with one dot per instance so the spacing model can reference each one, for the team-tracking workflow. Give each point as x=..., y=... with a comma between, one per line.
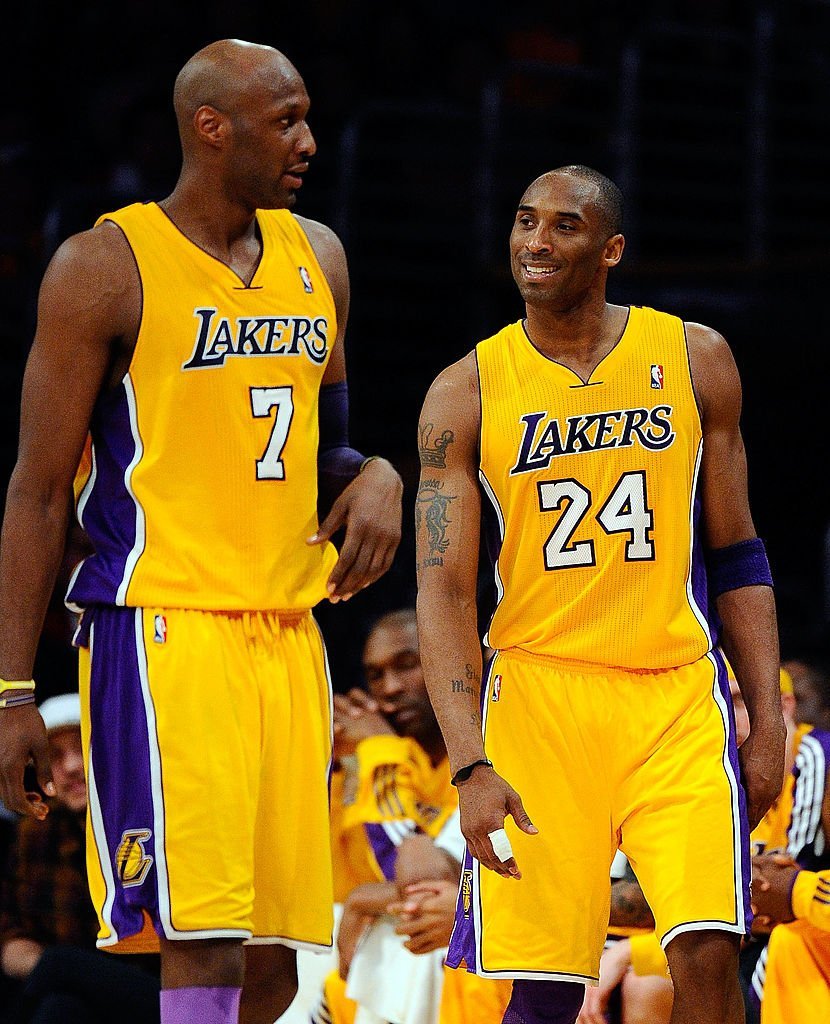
x=792, y=977
x=48, y=926
x=391, y=792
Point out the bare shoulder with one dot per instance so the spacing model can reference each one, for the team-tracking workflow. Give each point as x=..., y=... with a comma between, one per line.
x=453, y=404
x=94, y=268
x=325, y=243
x=714, y=373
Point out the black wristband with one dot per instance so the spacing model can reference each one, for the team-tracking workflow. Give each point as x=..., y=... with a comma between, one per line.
x=464, y=773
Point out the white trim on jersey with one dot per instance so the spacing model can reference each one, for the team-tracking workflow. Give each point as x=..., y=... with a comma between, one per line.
x=809, y=795
x=83, y=497
x=699, y=613
x=140, y=536
x=494, y=501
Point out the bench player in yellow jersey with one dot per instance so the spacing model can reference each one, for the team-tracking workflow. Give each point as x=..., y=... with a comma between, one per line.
x=602, y=444
x=199, y=343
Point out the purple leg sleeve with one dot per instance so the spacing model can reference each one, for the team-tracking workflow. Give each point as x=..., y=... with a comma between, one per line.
x=544, y=1002
x=202, y=1005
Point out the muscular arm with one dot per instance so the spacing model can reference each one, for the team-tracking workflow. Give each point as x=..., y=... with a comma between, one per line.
x=89, y=300
x=447, y=523
x=368, y=504
x=750, y=637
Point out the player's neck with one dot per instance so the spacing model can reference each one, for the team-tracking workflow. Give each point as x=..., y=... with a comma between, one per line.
x=206, y=216
x=579, y=337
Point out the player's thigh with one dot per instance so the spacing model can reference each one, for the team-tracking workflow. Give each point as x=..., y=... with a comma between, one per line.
x=540, y=731
x=292, y=871
x=682, y=812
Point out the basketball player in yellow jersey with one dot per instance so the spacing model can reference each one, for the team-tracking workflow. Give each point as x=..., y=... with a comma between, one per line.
x=603, y=443
x=198, y=342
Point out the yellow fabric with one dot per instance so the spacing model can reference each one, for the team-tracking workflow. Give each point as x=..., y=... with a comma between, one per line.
x=797, y=984
x=336, y=1006
x=595, y=764
x=811, y=898
x=396, y=780
x=771, y=831
x=390, y=778
x=468, y=999
x=647, y=956
x=241, y=706
x=601, y=475
x=216, y=427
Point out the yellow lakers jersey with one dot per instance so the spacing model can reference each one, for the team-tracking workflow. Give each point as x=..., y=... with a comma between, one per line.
x=387, y=791
x=593, y=488
x=201, y=484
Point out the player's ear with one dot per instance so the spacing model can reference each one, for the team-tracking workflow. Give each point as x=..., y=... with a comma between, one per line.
x=210, y=126
x=613, y=250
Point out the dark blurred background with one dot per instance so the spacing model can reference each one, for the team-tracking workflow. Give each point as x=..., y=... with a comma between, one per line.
x=430, y=119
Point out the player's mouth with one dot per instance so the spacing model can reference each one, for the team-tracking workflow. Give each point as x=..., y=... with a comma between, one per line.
x=539, y=271
x=293, y=176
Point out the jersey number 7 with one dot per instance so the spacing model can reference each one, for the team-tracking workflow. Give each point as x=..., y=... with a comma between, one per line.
x=263, y=400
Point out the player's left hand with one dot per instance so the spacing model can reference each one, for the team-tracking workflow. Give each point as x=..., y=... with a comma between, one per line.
x=762, y=768
x=773, y=877
x=370, y=509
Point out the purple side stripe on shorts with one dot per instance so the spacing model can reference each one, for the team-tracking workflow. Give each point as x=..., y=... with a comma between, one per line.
x=120, y=737
x=743, y=823
x=463, y=944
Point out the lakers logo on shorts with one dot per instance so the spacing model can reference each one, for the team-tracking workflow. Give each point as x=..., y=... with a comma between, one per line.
x=132, y=862
x=467, y=893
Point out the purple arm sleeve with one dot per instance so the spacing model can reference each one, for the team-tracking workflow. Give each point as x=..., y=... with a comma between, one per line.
x=337, y=463
x=740, y=565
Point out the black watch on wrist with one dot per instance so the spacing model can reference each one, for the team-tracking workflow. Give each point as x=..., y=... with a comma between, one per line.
x=464, y=773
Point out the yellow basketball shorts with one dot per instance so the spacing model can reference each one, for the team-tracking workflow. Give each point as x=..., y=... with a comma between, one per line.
x=643, y=761
x=208, y=744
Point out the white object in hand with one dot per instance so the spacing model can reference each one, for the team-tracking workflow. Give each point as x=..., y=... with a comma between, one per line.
x=501, y=844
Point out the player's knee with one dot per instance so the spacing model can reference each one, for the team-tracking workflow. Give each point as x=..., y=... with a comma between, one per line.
x=705, y=960
x=270, y=982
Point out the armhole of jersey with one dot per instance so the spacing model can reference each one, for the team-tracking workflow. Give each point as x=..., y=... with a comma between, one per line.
x=306, y=241
x=691, y=376
x=109, y=220
x=480, y=413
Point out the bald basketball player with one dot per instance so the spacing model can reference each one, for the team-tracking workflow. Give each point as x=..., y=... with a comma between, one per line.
x=189, y=359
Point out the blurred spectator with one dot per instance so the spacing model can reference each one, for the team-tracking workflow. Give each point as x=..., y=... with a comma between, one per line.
x=48, y=926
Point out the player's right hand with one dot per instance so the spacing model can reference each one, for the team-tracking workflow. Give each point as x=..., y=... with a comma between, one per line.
x=356, y=718
x=23, y=741
x=485, y=800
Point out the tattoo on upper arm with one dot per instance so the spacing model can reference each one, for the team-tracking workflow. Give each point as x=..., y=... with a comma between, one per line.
x=431, y=510
x=433, y=450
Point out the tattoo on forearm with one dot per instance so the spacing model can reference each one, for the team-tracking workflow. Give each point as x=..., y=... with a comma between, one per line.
x=433, y=450
x=431, y=509
x=459, y=686
x=629, y=908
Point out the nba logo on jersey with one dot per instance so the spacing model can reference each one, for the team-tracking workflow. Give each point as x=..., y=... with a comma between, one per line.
x=496, y=689
x=160, y=629
x=306, y=279
x=657, y=376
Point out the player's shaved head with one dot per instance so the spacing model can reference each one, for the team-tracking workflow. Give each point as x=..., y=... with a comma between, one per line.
x=605, y=195
x=224, y=75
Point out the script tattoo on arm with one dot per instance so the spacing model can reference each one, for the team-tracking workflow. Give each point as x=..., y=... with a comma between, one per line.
x=433, y=450
x=431, y=511
x=629, y=908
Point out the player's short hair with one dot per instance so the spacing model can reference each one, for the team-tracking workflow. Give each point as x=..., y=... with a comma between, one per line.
x=609, y=197
x=399, y=617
